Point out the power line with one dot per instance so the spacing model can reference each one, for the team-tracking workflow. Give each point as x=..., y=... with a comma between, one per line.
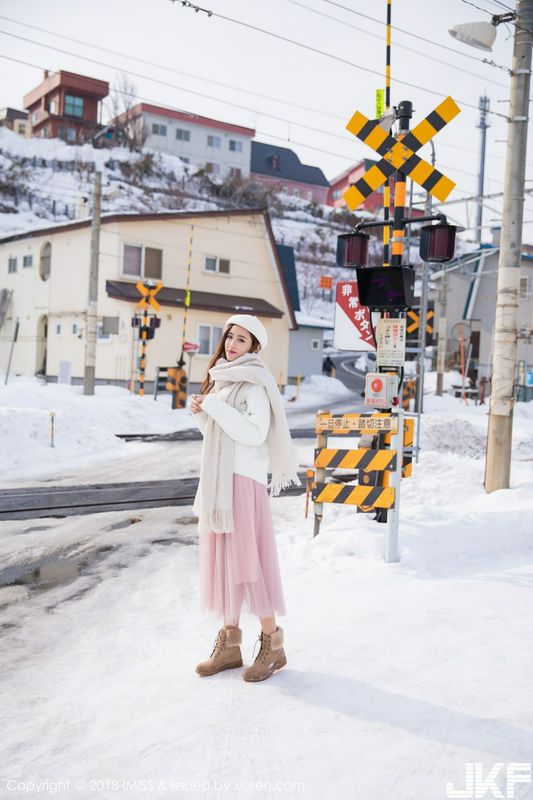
x=218, y=83
x=176, y=71
x=288, y=140
x=332, y=56
x=400, y=46
x=408, y=33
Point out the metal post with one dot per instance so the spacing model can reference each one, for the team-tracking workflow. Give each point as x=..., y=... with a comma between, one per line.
x=320, y=476
x=92, y=306
x=392, y=551
x=13, y=340
x=498, y=463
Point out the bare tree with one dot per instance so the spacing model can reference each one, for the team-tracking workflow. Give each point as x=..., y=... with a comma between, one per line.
x=129, y=127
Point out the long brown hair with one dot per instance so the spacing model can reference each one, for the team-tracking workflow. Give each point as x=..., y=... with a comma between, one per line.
x=220, y=351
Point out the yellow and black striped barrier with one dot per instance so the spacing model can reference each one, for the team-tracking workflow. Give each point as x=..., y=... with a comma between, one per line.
x=177, y=384
x=362, y=496
x=362, y=458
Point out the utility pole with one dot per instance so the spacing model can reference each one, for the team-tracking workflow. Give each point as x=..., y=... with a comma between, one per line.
x=92, y=309
x=423, y=316
x=498, y=462
x=442, y=331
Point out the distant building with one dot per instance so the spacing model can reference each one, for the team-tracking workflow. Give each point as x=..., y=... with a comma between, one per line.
x=220, y=147
x=471, y=297
x=15, y=120
x=281, y=167
x=235, y=269
x=66, y=106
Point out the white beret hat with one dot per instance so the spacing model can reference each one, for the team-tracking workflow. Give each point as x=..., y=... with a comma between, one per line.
x=252, y=325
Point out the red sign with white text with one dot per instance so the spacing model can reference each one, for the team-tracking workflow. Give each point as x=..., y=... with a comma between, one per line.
x=353, y=329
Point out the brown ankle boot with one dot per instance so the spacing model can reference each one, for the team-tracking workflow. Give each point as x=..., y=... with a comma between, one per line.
x=270, y=657
x=226, y=652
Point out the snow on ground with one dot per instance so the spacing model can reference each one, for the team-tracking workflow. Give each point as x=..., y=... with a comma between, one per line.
x=85, y=427
x=398, y=675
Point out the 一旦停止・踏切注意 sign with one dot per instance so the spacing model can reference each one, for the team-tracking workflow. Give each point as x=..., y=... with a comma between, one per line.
x=353, y=323
x=400, y=154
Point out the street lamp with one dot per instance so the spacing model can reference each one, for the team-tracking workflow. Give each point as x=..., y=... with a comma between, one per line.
x=504, y=351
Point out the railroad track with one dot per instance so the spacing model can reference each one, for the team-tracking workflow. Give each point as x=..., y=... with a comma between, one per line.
x=192, y=435
x=65, y=501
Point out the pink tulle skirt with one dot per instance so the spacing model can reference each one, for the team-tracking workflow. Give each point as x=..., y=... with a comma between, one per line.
x=241, y=568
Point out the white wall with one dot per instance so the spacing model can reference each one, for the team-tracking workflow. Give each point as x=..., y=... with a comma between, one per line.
x=197, y=150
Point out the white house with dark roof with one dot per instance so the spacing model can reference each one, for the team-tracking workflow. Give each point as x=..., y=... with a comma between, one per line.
x=224, y=149
x=44, y=279
x=281, y=167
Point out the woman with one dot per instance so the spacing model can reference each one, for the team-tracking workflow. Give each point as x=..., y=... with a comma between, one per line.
x=241, y=416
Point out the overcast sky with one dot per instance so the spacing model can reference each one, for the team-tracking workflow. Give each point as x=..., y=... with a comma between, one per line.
x=190, y=51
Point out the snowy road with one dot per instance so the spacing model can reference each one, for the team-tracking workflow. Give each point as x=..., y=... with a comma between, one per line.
x=398, y=675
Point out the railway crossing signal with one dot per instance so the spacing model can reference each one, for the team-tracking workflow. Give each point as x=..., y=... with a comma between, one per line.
x=413, y=322
x=401, y=154
x=148, y=296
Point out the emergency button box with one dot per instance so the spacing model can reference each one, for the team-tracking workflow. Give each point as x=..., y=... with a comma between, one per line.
x=381, y=389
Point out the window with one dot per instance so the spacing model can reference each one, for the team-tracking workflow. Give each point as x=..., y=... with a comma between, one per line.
x=73, y=106
x=27, y=261
x=524, y=288
x=67, y=134
x=212, y=168
x=213, y=141
x=235, y=146
x=315, y=344
x=219, y=265
x=159, y=130
x=44, y=261
x=296, y=193
x=309, y=196
x=34, y=117
x=284, y=190
x=235, y=172
x=58, y=328
x=12, y=264
x=74, y=327
x=336, y=194
x=208, y=338
x=142, y=262
x=52, y=107
x=102, y=337
x=182, y=135
x=273, y=162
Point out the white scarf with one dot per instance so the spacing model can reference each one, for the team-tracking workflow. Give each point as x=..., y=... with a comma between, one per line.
x=213, y=503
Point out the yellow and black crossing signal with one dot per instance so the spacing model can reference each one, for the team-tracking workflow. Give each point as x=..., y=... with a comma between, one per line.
x=177, y=384
x=401, y=155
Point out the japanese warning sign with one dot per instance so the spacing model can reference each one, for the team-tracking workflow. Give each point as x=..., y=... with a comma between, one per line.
x=353, y=330
x=391, y=343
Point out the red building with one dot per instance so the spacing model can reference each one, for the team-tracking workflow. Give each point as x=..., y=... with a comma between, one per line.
x=66, y=106
x=342, y=183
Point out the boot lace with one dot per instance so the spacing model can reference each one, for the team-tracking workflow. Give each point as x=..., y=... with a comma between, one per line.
x=263, y=650
x=219, y=643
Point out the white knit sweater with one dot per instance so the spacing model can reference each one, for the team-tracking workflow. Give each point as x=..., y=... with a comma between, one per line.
x=248, y=428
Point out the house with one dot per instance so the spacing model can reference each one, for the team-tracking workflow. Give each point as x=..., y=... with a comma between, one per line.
x=471, y=297
x=306, y=343
x=220, y=147
x=340, y=184
x=15, y=120
x=235, y=268
x=66, y=106
x=281, y=168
